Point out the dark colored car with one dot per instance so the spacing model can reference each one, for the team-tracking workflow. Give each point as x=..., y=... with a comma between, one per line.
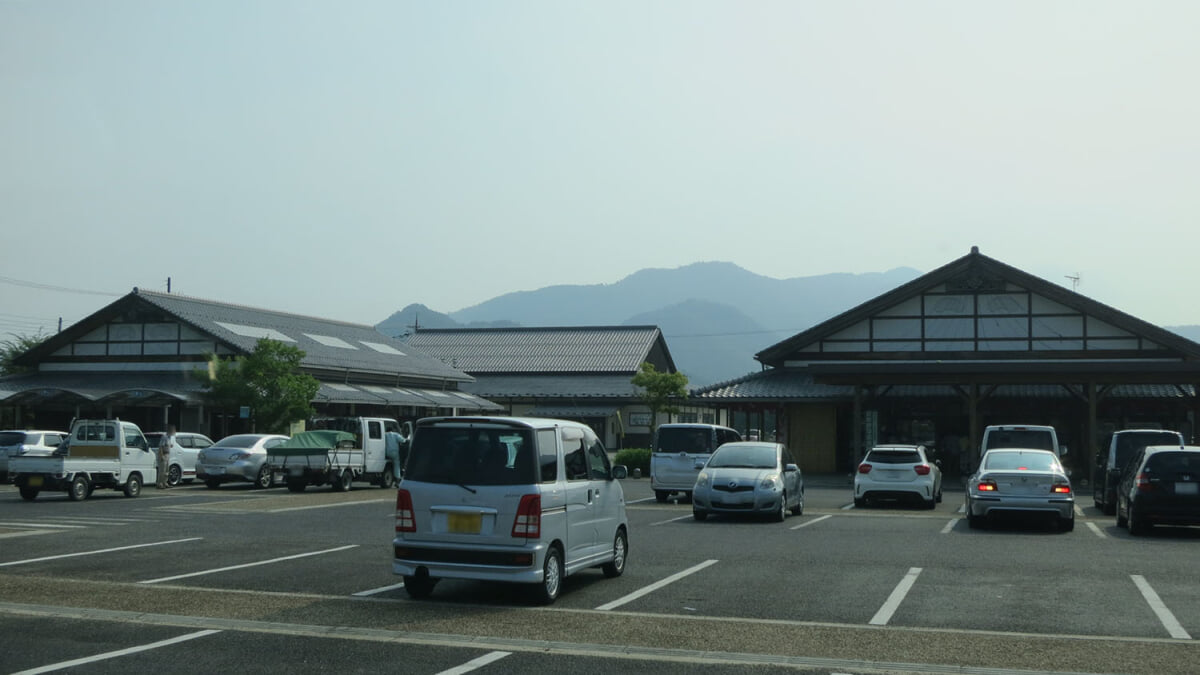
x=1161, y=486
x=1111, y=461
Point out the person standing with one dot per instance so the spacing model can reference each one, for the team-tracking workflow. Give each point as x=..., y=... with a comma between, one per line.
x=165, y=447
x=394, y=444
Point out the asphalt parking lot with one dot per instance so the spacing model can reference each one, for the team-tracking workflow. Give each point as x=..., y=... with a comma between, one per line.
x=302, y=583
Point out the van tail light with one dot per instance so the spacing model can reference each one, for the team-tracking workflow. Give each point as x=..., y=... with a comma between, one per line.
x=528, y=523
x=1061, y=489
x=405, y=520
x=864, y=468
x=1144, y=483
x=988, y=485
x=922, y=469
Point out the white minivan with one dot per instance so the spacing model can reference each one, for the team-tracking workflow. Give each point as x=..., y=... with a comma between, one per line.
x=522, y=500
x=679, y=451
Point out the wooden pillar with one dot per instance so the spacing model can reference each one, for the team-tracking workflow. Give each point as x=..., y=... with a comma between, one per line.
x=1093, y=434
x=857, y=452
x=973, y=425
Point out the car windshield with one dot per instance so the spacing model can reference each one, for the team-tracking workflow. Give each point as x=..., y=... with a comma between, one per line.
x=1020, y=438
x=894, y=457
x=744, y=457
x=1019, y=461
x=472, y=456
x=684, y=439
x=239, y=441
x=1128, y=444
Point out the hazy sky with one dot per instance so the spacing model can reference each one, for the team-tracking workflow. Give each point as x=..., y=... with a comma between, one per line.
x=344, y=159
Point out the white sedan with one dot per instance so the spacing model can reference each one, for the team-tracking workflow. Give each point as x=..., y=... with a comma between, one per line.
x=898, y=472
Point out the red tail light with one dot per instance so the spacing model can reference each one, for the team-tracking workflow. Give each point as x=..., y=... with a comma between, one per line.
x=864, y=468
x=922, y=469
x=528, y=523
x=1061, y=489
x=1143, y=482
x=405, y=521
x=986, y=486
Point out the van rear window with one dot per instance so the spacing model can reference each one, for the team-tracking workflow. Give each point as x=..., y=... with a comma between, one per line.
x=1020, y=438
x=683, y=439
x=472, y=456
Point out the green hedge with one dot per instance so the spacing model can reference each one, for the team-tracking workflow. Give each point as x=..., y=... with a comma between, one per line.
x=635, y=458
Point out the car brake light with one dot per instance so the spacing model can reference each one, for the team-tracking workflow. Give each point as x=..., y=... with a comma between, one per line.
x=864, y=468
x=922, y=469
x=528, y=523
x=986, y=486
x=1143, y=482
x=1061, y=489
x=405, y=521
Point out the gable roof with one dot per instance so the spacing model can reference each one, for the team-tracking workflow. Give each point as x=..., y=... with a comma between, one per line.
x=331, y=346
x=547, y=350
x=1058, y=332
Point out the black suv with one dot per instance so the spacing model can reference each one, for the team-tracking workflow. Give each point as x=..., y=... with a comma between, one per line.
x=1111, y=461
x=1161, y=486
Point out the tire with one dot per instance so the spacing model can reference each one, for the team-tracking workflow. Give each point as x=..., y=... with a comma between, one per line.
x=939, y=497
x=174, y=475
x=1137, y=526
x=1066, y=524
x=133, y=486
x=298, y=485
x=388, y=478
x=860, y=502
x=547, y=591
x=29, y=494
x=781, y=513
x=1122, y=521
x=798, y=509
x=212, y=484
x=342, y=482
x=1109, y=509
x=932, y=503
x=265, y=477
x=80, y=487
x=616, y=566
x=661, y=496
x=699, y=514
x=419, y=587
x=974, y=522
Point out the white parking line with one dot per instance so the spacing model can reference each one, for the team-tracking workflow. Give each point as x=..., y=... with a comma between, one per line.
x=655, y=586
x=950, y=525
x=1164, y=615
x=329, y=506
x=962, y=508
x=639, y=501
x=1079, y=511
x=480, y=662
x=664, y=522
x=384, y=589
x=103, y=550
x=810, y=522
x=52, y=526
x=112, y=655
x=893, y=602
x=1095, y=528
x=848, y=506
x=253, y=564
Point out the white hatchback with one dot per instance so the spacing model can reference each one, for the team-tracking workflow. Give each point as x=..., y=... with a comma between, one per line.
x=27, y=443
x=898, y=472
x=507, y=499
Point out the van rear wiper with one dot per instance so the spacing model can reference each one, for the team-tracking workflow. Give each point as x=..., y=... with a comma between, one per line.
x=467, y=488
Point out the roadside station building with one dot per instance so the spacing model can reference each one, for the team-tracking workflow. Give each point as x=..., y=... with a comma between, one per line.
x=137, y=359
x=973, y=343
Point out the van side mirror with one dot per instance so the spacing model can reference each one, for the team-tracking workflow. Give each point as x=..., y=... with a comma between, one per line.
x=1063, y=450
x=619, y=472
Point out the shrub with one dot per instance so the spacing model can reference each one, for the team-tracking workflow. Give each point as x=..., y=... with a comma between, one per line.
x=635, y=458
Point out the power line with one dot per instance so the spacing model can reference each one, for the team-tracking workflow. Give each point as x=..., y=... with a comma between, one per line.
x=50, y=287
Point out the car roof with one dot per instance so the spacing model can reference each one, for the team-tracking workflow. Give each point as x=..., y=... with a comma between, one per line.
x=1169, y=448
x=896, y=446
x=532, y=422
x=1008, y=450
x=746, y=444
x=30, y=431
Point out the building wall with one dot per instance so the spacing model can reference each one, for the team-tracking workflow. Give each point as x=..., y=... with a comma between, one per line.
x=812, y=436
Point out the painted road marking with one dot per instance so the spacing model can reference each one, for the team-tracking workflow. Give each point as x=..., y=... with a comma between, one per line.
x=244, y=565
x=120, y=652
x=848, y=506
x=1174, y=629
x=950, y=525
x=40, y=525
x=103, y=550
x=329, y=506
x=490, y=657
x=814, y=520
x=655, y=586
x=664, y=522
x=384, y=589
x=1095, y=528
x=893, y=602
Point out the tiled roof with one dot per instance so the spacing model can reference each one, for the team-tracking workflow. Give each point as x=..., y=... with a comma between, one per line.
x=588, y=349
x=552, y=386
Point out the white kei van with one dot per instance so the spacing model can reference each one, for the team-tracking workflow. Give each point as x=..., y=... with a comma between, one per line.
x=507, y=499
x=679, y=451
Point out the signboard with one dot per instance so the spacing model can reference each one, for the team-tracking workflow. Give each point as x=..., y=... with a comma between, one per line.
x=244, y=412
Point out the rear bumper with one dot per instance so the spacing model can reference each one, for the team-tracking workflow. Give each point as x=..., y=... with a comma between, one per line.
x=516, y=564
x=1167, y=514
x=922, y=489
x=1063, y=507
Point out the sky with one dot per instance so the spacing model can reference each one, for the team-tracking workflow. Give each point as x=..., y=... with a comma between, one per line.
x=343, y=159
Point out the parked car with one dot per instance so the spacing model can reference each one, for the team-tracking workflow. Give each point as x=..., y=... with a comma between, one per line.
x=749, y=477
x=1111, y=461
x=183, y=458
x=507, y=499
x=1161, y=486
x=242, y=457
x=27, y=443
x=1020, y=481
x=898, y=472
x=679, y=451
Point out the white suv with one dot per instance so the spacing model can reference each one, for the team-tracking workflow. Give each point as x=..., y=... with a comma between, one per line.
x=27, y=443
x=507, y=499
x=898, y=472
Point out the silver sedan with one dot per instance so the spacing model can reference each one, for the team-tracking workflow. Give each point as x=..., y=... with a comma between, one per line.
x=749, y=477
x=242, y=457
x=1018, y=481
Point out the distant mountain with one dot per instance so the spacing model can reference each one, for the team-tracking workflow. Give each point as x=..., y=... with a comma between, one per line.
x=714, y=315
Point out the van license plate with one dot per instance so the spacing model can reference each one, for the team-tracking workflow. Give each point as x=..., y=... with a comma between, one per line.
x=34, y=481
x=464, y=523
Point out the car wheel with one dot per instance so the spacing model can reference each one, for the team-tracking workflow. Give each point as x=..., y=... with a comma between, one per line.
x=265, y=478
x=133, y=486
x=859, y=502
x=932, y=503
x=298, y=485
x=974, y=522
x=419, y=587
x=552, y=576
x=388, y=478
x=29, y=494
x=699, y=514
x=1137, y=526
x=79, y=488
x=798, y=509
x=939, y=497
x=174, y=475
x=1122, y=520
x=212, y=484
x=661, y=496
x=343, y=481
x=1109, y=509
x=614, y=568
x=1067, y=524
x=781, y=513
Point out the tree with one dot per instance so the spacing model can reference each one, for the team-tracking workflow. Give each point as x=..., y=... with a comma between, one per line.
x=12, y=348
x=268, y=380
x=662, y=390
